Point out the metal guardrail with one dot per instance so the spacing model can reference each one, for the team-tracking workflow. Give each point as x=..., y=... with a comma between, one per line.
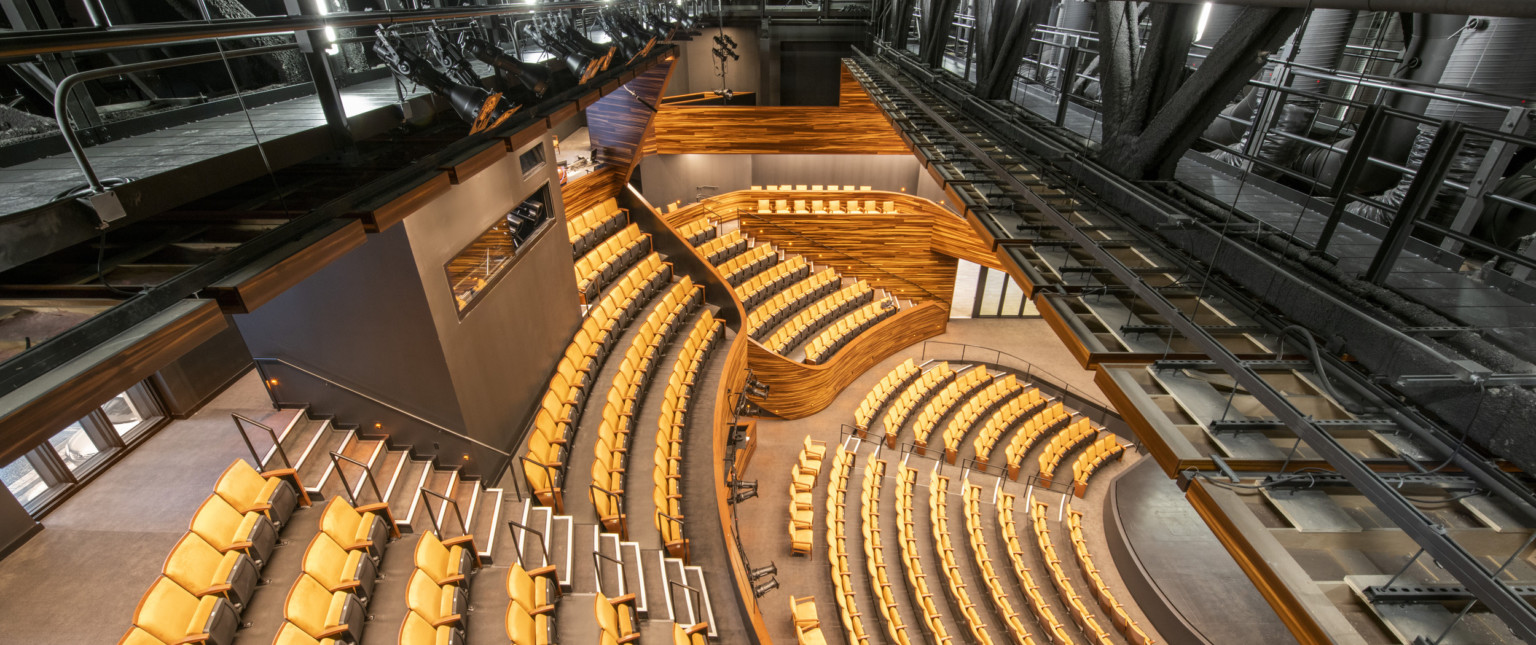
x=336, y=459
x=463, y=526
x=240, y=421
x=518, y=547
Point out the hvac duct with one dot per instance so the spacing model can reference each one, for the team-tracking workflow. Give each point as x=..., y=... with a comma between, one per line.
x=1423, y=60
x=1217, y=23
x=1493, y=55
x=1320, y=43
x=1072, y=16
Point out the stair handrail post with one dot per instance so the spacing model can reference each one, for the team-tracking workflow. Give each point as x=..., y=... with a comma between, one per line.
x=240, y=420
x=367, y=476
x=619, y=500
x=463, y=527
x=695, y=599
x=597, y=571
x=543, y=550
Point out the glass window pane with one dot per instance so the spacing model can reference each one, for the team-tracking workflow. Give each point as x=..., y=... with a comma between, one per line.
x=1012, y=294
x=123, y=414
x=473, y=269
x=23, y=481
x=74, y=445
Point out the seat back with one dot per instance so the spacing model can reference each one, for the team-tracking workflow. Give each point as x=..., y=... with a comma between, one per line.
x=415, y=630
x=327, y=562
x=434, y=558
x=217, y=522
x=193, y=564
x=137, y=636
x=240, y=485
x=340, y=521
x=425, y=597
x=166, y=611
x=291, y=634
x=307, y=605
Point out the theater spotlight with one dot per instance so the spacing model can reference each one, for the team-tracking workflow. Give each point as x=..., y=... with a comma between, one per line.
x=763, y=572
x=763, y=589
x=743, y=491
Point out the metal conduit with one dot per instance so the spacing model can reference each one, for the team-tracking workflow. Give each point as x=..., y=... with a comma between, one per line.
x=1494, y=8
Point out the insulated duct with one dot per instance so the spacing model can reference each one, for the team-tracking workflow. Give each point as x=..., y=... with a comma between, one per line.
x=1423, y=60
x=1493, y=55
x=1217, y=23
x=1321, y=44
x=1071, y=15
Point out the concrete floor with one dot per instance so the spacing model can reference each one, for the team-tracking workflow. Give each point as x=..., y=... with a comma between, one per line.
x=78, y=581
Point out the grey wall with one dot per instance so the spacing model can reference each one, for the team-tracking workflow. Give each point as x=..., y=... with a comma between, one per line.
x=194, y=378
x=671, y=178
x=698, y=70
x=500, y=354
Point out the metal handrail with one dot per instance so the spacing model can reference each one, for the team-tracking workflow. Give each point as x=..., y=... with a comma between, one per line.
x=463, y=526
x=259, y=462
x=597, y=572
x=347, y=486
x=618, y=499
x=516, y=546
x=337, y=384
x=1030, y=371
x=695, y=600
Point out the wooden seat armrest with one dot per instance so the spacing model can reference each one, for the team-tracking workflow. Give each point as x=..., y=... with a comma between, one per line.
x=280, y=472
x=333, y=632
x=236, y=546
x=370, y=508
x=458, y=540
x=626, y=598
x=360, y=544
x=193, y=638
x=447, y=620
x=630, y=638
x=696, y=628
x=453, y=579
x=546, y=609
x=216, y=589
x=545, y=570
x=346, y=586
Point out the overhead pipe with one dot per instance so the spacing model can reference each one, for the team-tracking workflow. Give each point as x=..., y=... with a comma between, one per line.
x=1491, y=8
x=1423, y=61
x=1494, y=54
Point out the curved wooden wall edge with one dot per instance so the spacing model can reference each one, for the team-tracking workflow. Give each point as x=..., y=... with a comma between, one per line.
x=797, y=390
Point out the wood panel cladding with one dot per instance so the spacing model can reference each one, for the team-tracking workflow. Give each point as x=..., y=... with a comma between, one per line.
x=259, y=282
x=797, y=390
x=591, y=189
x=732, y=378
x=910, y=253
x=855, y=126
x=618, y=122
x=35, y=411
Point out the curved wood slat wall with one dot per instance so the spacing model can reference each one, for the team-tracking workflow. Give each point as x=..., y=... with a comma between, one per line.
x=797, y=390
x=592, y=189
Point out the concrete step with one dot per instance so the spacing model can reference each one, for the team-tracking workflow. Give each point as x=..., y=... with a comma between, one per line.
x=607, y=567
x=485, y=521
x=403, y=498
x=695, y=576
x=634, y=576
x=314, y=461
x=563, y=534
x=654, y=582
x=584, y=543
x=285, y=438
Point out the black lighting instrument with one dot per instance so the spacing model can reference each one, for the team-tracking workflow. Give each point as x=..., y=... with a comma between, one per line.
x=480, y=108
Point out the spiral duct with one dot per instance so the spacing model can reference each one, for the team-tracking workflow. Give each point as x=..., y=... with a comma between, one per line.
x=1493, y=55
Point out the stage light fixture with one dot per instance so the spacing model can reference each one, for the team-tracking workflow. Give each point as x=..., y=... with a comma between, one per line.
x=763, y=589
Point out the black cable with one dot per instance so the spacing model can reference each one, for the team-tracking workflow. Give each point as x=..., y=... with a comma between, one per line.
x=101, y=254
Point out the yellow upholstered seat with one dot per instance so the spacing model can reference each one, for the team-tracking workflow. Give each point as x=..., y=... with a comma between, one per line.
x=227, y=529
x=137, y=636
x=339, y=569
x=532, y=628
x=174, y=615
x=438, y=604
x=447, y=561
x=201, y=569
x=615, y=616
x=290, y=634
x=268, y=493
x=323, y=614
x=416, y=630
x=535, y=589
x=356, y=529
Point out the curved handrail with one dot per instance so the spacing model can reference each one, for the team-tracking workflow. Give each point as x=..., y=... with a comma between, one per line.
x=1031, y=372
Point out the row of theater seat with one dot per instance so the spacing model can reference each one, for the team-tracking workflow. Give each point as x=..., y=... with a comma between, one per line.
x=833, y=338
x=1064, y=442
x=917, y=580
x=762, y=319
x=920, y=389
x=1096, y=455
x=1107, y=602
x=892, y=383
x=1022, y=406
x=742, y=267
x=1043, y=424
x=667, y=467
x=323, y=606
x=610, y=260
x=210, y=575
x=837, y=548
x=802, y=482
x=994, y=395
x=874, y=554
x=938, y=516
x=1017, y=632
x=698, y=231
x=946, y=400
x=759, y=288
x=617, y=619
x=1074, y=603
x=723, y=247
x=818, y=187
x=807, y=625
x=531, y=601
x=622, y=408
x=833, y=207
x=437, y=594
x=1044, y=615
x=814, y=317
x=594, y=224
x=559, y=411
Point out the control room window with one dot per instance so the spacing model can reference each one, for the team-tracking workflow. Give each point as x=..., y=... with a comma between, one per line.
x=531, y=160
x=75, y=446
x=23, y=480
x=474, y=270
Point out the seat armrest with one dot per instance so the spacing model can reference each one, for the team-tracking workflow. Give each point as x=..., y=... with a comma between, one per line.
x=546, y=609
x=458, y=540
x=259, y=507
x=545, y=570
x=345, y=586
x=360, y=544
x=371, y=508
x=447, y=620
x=454, y=579
x=626, y=598
x=696, y=628
x=236, y=546
x=215, y=589
x=280, y=472
x=630, y=638
x=333, y=632
x=194, y=638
